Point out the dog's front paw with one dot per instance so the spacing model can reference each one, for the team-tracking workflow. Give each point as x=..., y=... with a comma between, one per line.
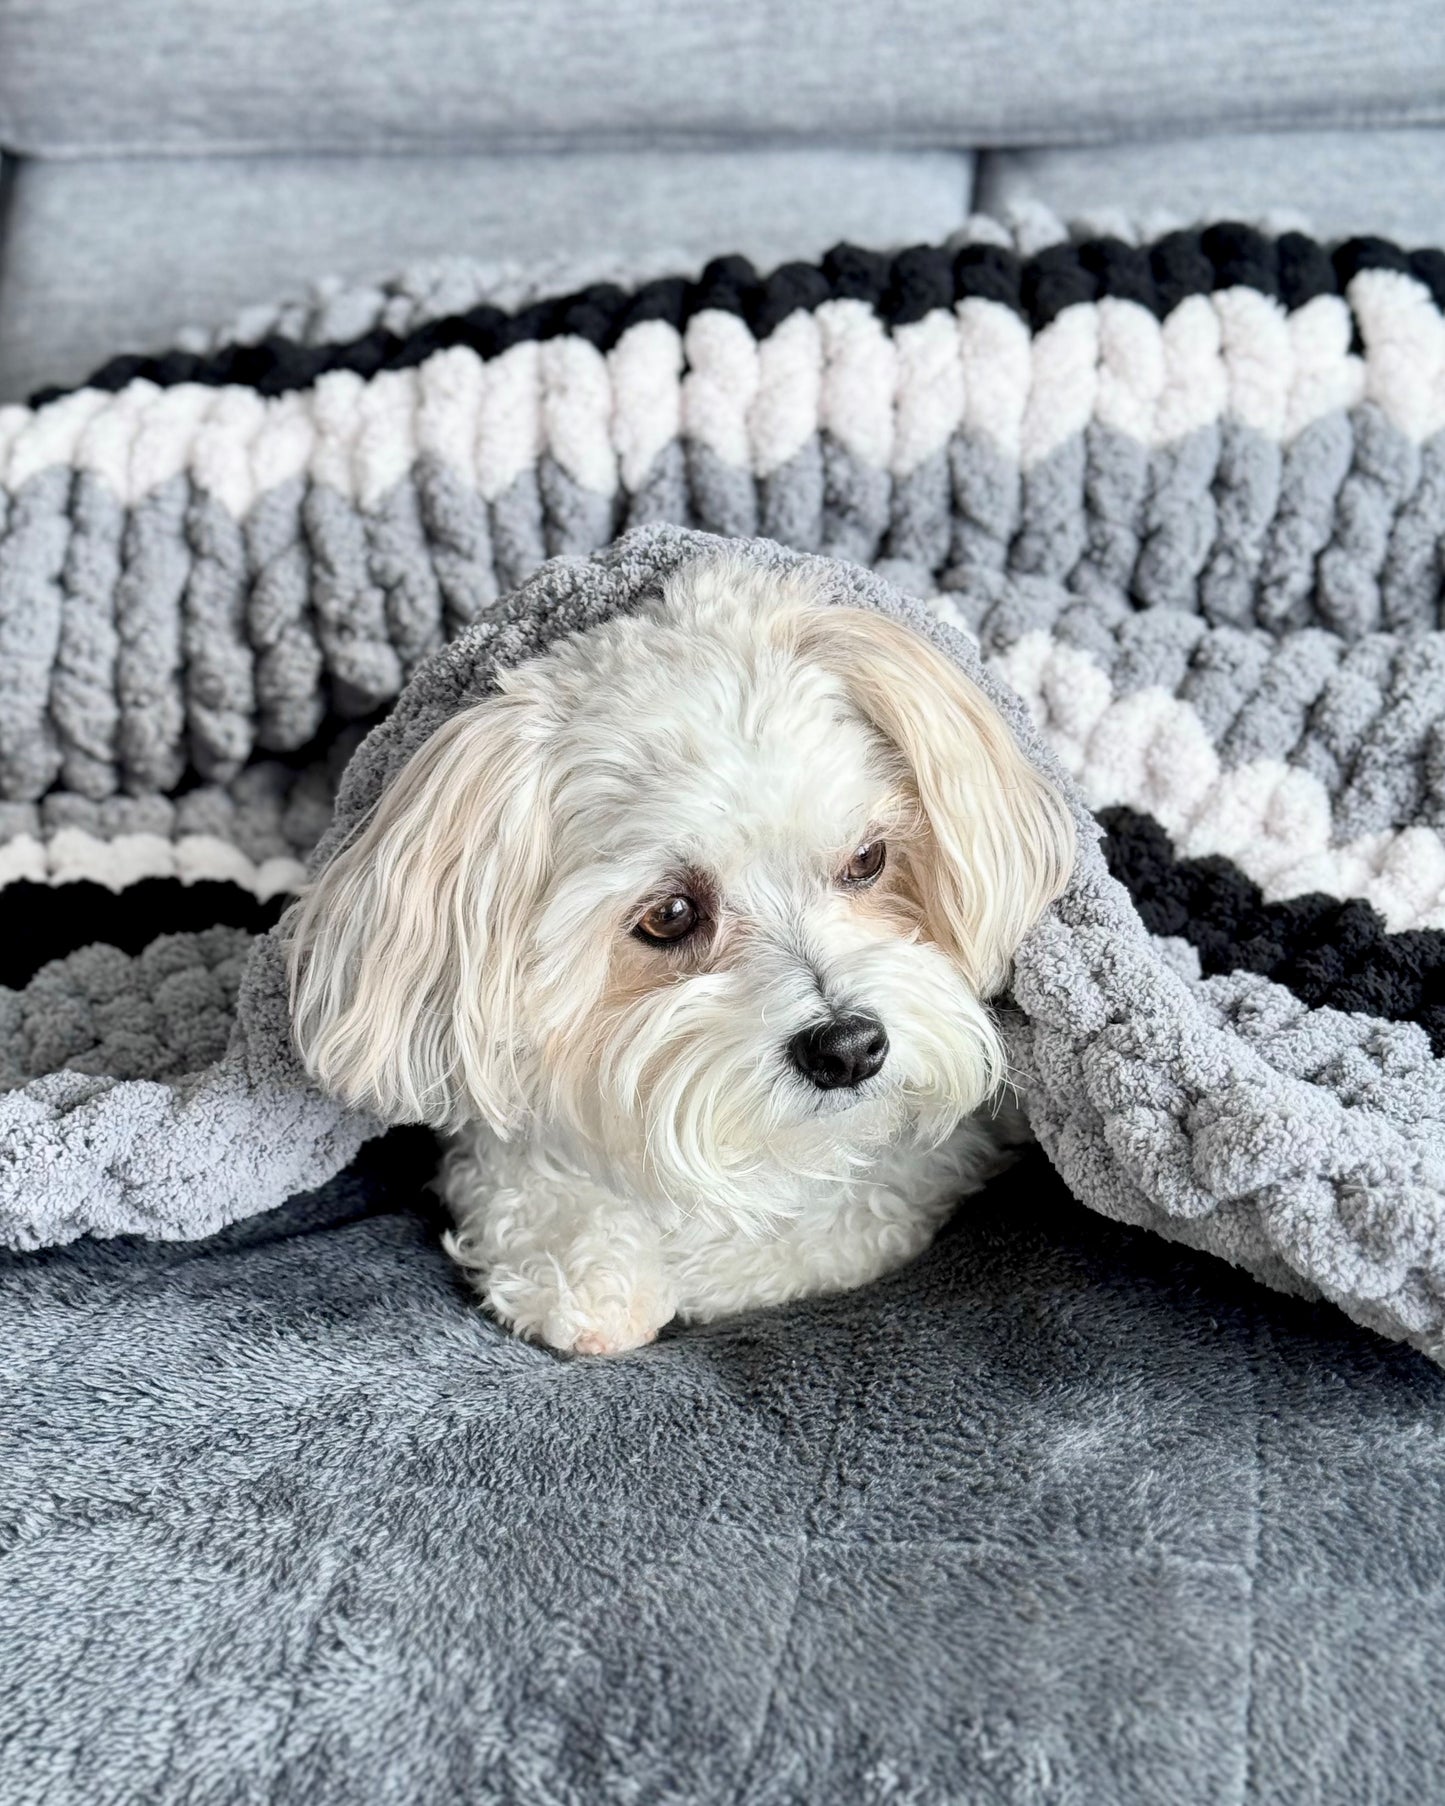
x=597, y=1315
x=635, y=1330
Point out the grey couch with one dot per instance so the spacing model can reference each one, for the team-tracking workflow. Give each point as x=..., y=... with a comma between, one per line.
x=168, y=162
x=1061, y=1515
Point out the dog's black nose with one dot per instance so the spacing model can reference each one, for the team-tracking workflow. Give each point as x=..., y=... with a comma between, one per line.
x=842, y=1052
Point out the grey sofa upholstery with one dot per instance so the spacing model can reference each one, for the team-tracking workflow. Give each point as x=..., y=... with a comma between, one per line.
x=168, y=162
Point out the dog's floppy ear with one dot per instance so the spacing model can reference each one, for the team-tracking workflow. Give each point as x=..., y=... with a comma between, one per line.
x=1002, y=838
x=406, y=951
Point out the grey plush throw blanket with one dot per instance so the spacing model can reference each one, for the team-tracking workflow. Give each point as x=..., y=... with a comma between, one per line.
x=1180, y=507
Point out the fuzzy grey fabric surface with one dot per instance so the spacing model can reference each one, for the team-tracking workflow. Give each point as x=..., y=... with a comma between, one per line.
x=1061, y=1515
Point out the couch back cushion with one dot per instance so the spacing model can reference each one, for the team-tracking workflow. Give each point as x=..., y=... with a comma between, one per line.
x=341, y=75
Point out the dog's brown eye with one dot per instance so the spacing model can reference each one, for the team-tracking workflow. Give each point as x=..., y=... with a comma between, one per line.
x=865, y=865
x=671, y=920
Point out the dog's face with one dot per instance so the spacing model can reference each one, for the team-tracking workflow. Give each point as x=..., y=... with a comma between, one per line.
x=712, y=894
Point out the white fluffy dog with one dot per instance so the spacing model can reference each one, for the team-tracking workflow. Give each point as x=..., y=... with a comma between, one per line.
x=685, y=936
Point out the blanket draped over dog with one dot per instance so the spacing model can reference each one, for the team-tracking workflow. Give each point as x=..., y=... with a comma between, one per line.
x=1185, y=500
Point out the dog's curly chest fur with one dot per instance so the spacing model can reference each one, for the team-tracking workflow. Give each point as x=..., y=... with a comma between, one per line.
x=565, y=1261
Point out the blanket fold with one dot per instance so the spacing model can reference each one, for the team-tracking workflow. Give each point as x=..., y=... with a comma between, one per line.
x=1180, y=508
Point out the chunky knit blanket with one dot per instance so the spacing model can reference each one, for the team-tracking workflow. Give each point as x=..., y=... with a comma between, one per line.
x=1184, y=499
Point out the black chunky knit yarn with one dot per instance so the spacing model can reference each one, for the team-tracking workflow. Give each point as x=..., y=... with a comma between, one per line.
x=902, y=287
x=44, y=922
x=1330, y=954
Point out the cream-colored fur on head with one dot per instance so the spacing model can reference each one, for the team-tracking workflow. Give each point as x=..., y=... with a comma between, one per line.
x=1002, y=838
x=635, y=1132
